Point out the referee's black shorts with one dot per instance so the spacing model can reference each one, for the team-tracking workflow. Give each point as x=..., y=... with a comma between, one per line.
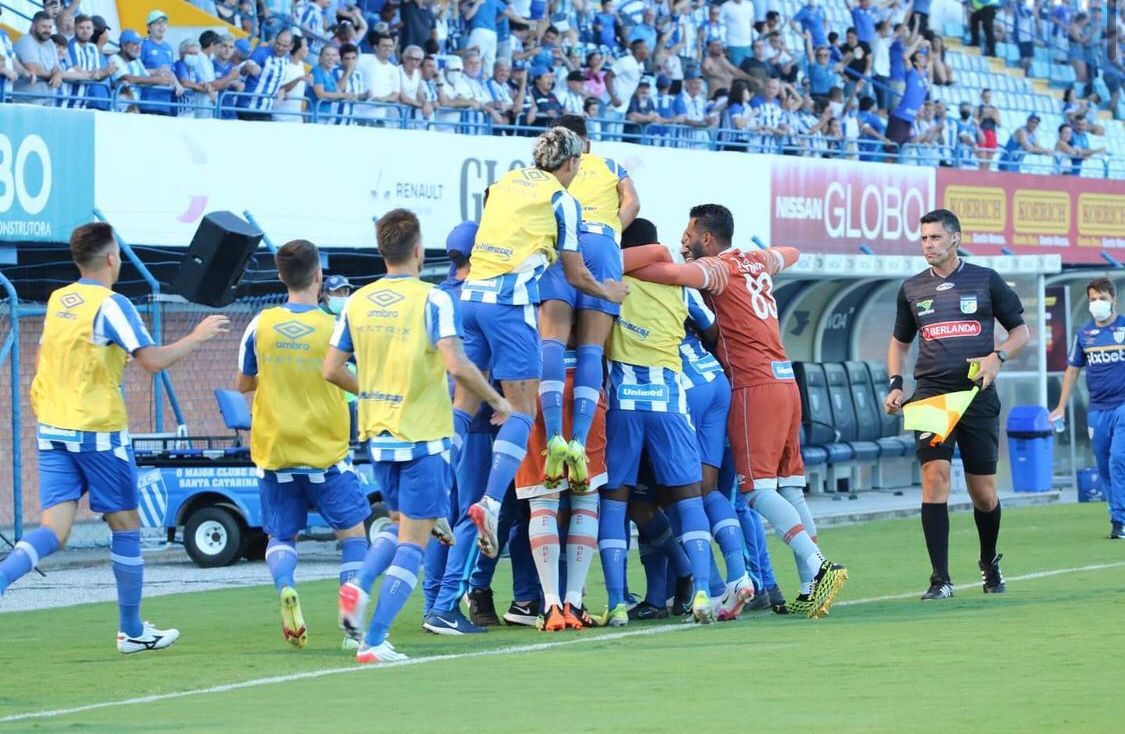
x=977, y=434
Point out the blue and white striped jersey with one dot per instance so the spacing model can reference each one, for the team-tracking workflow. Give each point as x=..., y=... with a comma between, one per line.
x=700, y=366
x=354, y=85
x=268, y=82
x=651, y=389
x=82, y=56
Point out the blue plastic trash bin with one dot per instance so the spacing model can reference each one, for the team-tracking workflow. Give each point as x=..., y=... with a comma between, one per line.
x=1090, y=485
x=1031, y=448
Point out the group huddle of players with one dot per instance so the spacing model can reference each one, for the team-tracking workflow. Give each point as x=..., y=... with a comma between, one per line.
x=626, y=384
x=568, y=380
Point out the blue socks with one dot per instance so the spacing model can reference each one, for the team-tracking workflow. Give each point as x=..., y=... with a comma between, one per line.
x=658, y=532
x=613, y=548
x=433, y=570
x=588, y=377
x=34, y=547
x=129, y=571
x=716, y=586
x=656, y=568
x=696, y=539
x=508, y=451
x=728, y=534
x=551, y=386
x=757, y=552
x=281, y=558
x=402, y=577
x=352, y=553
x=378, y=557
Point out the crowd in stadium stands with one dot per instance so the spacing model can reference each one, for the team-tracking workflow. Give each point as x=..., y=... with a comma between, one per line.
x=737, y=74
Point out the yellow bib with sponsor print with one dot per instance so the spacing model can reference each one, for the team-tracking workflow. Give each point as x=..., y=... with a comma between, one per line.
x=651, y=326
x=299, y=419
x=595, y=187
x=402, y=379
x=518, y=222
x=77, y=383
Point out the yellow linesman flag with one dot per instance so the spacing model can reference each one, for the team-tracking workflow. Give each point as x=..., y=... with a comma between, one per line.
x=939, y=414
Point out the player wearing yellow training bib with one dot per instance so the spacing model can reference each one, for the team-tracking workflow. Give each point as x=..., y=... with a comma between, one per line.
x=609, y=203
x=529, y=220
x=299, y=430
x=89, y=332
x=406, y=338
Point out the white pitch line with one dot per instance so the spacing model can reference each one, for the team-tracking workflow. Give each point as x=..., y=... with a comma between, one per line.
x=513, y=650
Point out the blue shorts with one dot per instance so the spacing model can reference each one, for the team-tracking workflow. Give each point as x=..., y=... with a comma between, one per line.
x=418, y=488
x=538, y=9
x=603, y=259
x=709, y=404
x=110, y=477
x=287, y=497
x=668, y=439
x=503, y=340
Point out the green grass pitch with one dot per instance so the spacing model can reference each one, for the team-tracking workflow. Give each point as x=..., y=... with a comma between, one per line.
x=1047, y=656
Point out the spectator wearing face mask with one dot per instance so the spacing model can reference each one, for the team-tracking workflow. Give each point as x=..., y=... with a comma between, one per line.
x=186, y=71
x=335, y=293
x=455, y=94
x=967, y=138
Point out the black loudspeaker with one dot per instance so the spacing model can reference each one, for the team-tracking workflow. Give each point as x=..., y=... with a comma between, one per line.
x=216, y=259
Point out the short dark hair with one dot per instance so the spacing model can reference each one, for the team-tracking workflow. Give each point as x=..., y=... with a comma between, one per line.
x=348, y=48
x=1102, y=284
x=40, y=15
x=637, y=42
x=297, y=263
x=397, y=233
x=639, y=232
x=207, y=39
x=83, y=19
x=947, y=219
x=833, y=37
x=89, y=242
x=866, y=103
x=716, y=219
x=574, y=123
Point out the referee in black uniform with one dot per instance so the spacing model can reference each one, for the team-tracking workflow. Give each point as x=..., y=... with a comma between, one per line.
x=952, y=305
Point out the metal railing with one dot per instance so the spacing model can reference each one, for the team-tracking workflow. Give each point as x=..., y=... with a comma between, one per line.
x=10, y=350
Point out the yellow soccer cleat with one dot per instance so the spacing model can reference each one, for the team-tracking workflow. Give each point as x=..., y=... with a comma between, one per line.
x=701, y=610
x=616, y=617
x=578, y=472
x=557, y=453
x=292, y=621
x=827, y=584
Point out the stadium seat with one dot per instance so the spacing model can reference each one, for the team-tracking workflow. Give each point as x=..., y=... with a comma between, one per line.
x=843, y=413
x=813, y=388
x=234, y=409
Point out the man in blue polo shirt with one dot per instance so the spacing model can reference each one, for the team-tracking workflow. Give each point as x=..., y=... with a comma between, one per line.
x=157, y=55
x=1100, y=347
x=864, y=18
x=810, y=19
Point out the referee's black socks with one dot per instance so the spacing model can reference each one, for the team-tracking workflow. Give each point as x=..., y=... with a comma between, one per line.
x=935, y=526
x=988, y=528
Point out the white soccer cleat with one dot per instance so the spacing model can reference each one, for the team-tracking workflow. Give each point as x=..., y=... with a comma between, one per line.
x=443, y=532
x=149, y=639
x=353, y=609
x=738, y=594
x=485, y=515
x=384, y=652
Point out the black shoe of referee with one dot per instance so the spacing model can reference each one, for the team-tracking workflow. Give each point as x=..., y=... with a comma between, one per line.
x=939, y=589
x=681, y=604
x=991, y=577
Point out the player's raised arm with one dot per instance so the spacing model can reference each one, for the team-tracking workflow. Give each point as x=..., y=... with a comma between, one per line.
x=782, y=258
x=156, y=358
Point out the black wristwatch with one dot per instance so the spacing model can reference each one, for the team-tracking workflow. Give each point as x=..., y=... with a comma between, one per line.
x=1001, y=355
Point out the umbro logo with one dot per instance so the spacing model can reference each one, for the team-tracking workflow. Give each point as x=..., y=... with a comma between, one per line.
x=384, y=297
x=293, y=330
x=71, y=300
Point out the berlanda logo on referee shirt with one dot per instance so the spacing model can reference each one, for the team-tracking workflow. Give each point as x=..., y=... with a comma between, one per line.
x=293, y=331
